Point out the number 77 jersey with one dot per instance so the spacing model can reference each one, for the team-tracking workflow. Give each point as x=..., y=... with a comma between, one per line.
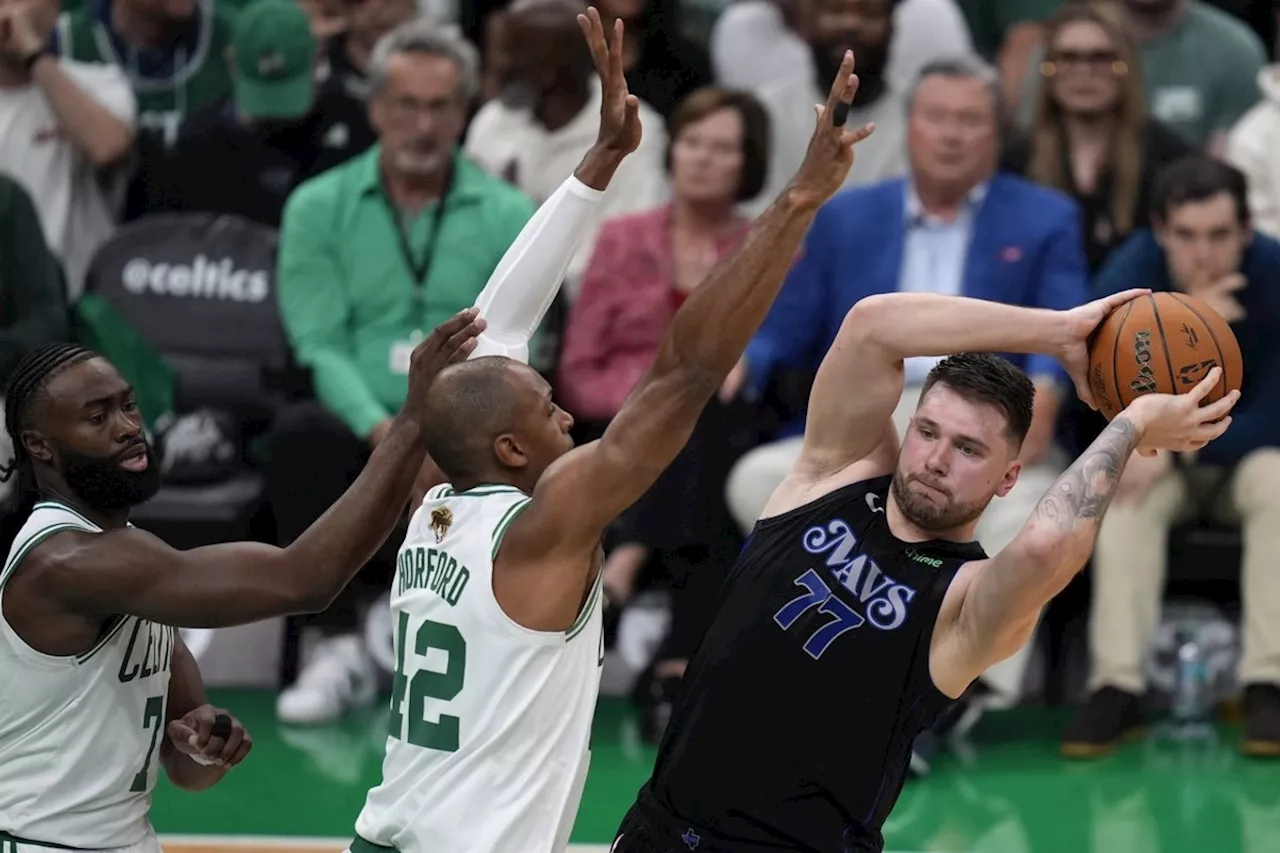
x=490, y=721
x=802, y=703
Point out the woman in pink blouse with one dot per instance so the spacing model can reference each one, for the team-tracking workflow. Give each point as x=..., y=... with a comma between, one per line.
x=643, y=267
x=645, y=264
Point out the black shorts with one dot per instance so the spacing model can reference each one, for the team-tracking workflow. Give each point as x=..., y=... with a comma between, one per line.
x=637, y=835
x=648, y=828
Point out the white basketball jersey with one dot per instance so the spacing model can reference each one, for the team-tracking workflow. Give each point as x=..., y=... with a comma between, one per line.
x=80, y=735
x=490, y=721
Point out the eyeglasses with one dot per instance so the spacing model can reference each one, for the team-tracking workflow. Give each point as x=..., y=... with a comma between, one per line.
x=404, y=107
x=1084, y=60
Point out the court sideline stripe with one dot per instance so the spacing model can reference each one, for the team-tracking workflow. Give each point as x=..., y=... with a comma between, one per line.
x=284, y=843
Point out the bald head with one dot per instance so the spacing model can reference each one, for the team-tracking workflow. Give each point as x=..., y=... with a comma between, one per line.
x=471, y=404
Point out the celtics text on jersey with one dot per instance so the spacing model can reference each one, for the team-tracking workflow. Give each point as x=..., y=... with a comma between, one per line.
x=80, y=735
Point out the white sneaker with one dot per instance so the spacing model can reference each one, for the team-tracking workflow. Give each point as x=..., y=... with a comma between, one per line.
x=339, y=677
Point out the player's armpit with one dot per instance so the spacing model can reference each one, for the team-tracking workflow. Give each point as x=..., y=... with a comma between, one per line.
x=854, y=394
x=804, y=485
x=587, y=488
x=133, y=572
x=186, y=685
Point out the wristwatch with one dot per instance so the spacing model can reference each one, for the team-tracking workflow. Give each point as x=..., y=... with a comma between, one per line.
x=30, y=60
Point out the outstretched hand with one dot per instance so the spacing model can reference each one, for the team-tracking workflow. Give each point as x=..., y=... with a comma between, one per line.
x=830, y=154
x=619, y=110
x=452, y=341
x=1080, y=324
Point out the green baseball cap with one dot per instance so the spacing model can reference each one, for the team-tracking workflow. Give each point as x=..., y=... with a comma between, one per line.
x=275, y=60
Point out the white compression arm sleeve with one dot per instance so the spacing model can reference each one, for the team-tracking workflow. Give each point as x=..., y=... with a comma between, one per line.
x=521, y=289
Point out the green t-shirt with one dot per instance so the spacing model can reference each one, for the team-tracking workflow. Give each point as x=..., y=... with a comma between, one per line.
x=1200, y=78
x=170, y=87
x=990, y=20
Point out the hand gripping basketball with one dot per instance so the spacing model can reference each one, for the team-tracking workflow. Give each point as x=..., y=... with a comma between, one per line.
x=1161, y=343
x=1080, y=326
x=1182, y=422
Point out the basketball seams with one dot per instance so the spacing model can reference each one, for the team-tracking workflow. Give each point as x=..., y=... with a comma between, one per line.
x=1222, y=358
x=1164, y=342
x=1115, y=358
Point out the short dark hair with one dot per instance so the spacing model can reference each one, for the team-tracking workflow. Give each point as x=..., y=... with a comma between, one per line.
x=1198, y=178
x=980, y=377
x=755, y=131
x=470, y=405
x=24, y=388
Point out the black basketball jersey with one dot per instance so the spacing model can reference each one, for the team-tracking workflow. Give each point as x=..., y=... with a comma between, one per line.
x=801, y=705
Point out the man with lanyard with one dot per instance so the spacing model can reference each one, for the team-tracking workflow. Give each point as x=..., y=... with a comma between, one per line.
x=372, y=254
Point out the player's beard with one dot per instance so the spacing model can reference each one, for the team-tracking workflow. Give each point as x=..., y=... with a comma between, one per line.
x=930, y=516
x=102, y=484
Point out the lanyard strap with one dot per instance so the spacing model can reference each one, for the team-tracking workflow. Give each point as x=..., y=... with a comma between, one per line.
x=420, y=268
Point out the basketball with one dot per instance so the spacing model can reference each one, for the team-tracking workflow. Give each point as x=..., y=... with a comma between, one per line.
x=1161, y=343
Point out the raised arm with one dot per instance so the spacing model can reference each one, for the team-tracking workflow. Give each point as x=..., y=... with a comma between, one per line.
x=992, y=606
x=522, y=288
x=130, y=571
x=880, y=331
x=587, y=488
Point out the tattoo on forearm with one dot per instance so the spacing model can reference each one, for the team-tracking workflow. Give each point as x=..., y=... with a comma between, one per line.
x=1084, y=490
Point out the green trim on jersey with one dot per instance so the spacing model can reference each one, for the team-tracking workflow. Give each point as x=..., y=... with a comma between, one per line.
x=36, y=538
x=15, y=841
x=83, y=657
x=480, y=491
x=72, y=510
x=585, y=615
x=501, y=530
x=360, y=845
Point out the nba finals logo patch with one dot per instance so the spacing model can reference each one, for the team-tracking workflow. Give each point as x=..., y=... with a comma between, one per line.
x=441, y=521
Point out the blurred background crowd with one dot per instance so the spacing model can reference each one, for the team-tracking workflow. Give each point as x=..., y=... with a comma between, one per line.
x=255, y=207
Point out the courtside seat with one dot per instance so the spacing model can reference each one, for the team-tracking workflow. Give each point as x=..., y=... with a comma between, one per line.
x=199, y=290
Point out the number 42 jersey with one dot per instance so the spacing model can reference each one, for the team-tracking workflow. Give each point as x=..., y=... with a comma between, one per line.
x=802, y=703
x=490, y=721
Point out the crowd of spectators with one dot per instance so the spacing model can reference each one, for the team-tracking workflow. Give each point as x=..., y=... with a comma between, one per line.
x=1036, y=152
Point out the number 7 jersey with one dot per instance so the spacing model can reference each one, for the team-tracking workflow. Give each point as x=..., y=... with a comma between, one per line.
x=490, y=721
x=80, y=735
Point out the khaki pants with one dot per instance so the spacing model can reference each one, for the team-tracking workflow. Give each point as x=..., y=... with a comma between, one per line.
x=1129, y=569
x=757, y=474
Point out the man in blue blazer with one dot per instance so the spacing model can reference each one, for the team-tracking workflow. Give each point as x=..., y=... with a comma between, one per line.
x=953, y=226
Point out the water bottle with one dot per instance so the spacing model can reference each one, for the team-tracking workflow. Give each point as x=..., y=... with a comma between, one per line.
x=1192, y=692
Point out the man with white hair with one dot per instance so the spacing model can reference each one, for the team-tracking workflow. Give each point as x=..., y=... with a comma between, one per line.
x=373, y=255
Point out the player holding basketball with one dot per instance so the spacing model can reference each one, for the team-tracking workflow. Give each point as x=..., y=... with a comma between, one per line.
x=496, y=599
x=860, y=606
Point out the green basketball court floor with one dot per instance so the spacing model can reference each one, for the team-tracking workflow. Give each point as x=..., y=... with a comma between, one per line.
x=1009, y=792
